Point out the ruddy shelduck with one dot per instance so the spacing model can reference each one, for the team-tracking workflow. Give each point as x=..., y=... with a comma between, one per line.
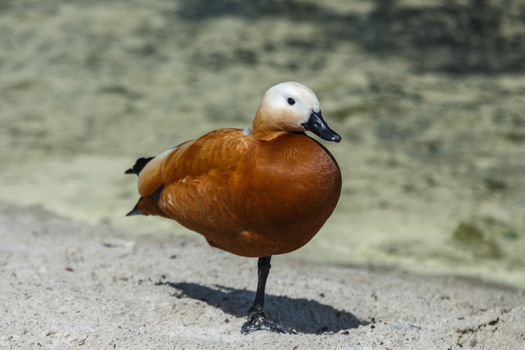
x=256, y=192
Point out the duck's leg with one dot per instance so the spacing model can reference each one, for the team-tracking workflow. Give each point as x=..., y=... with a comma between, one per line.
x=257, y=320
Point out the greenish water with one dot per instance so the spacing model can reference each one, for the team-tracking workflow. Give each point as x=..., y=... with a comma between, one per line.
x=430, y=109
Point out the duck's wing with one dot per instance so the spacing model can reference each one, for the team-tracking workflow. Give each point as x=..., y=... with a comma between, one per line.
x=216, y=152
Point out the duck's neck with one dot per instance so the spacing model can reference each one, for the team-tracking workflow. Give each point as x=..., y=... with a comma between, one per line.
x=263, y=128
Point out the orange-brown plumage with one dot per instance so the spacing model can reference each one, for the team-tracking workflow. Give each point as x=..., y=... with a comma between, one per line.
x=246, y=196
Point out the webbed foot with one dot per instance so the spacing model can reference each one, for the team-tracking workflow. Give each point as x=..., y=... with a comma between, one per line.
x=257, y=321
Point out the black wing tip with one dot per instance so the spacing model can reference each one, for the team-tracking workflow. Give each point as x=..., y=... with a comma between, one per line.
x=139, y=165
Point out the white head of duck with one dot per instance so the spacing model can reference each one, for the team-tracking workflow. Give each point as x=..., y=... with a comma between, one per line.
x=290, y=107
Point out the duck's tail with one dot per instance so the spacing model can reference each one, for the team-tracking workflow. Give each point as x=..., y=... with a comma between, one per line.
x=148, y=205
x=139, y=165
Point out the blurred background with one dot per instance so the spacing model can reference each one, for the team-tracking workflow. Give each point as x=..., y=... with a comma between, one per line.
x=429, y=98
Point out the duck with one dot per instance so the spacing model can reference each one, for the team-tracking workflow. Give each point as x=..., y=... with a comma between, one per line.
x=254, y=192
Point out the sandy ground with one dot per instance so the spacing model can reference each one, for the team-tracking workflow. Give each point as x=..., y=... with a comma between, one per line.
x=68, y=285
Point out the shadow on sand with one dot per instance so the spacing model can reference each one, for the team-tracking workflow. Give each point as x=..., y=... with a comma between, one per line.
x=303, y=315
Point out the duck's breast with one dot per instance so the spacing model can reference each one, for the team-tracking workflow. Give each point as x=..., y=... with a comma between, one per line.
x=294, y=188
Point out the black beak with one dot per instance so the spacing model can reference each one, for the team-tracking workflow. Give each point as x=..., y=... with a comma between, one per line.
x=318, y=126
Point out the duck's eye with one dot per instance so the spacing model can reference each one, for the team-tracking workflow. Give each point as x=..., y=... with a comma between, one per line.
x=290, y=101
